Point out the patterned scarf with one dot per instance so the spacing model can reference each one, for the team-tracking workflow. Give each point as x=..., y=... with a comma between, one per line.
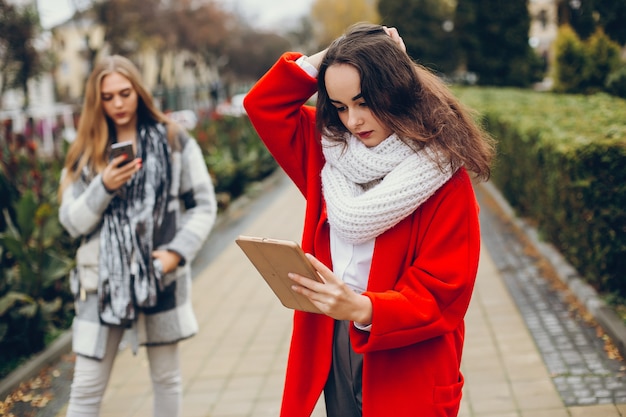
x=128, y=278
x=370, y=190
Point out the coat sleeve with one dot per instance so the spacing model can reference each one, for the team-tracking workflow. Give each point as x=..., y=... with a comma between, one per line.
x=276, y=106
x=82, y=206
x=431, y=295
x=197, y=195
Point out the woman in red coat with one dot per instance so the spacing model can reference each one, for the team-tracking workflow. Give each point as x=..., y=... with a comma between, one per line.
x=391, y=225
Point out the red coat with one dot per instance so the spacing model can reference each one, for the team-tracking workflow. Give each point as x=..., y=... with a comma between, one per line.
x=421, y=280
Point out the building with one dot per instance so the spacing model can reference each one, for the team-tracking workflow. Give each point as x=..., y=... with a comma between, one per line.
x=178, y=79
x=74, y=43
x=43, y=116
x=543, y=27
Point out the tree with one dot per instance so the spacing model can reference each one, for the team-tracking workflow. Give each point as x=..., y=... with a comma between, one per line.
x=571, y=62
x=200, y=27
x=494, y=36
x=331, y=17
x=584, y=66
x=611, y=17
x=253, y=53
x=209, y=35
x=302, y=36
x=131, y=25
x=465, y=25
x=604, y=55
x=205, y=29
x=579, y=15
x=427, y=30
x=20, y=60
x=586, y=16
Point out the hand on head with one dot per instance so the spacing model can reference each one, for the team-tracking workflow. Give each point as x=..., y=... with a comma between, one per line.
x=393, y=33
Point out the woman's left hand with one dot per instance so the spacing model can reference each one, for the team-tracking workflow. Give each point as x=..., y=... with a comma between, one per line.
x=169, y=260
x=395, y=36
x=333, y=297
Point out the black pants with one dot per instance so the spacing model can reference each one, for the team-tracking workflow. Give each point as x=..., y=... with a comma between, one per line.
x=342, y=393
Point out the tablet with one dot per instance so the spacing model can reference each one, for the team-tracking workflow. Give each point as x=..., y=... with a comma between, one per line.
x=274, y=259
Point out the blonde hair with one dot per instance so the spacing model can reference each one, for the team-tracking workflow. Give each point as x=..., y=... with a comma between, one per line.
x=92, y=139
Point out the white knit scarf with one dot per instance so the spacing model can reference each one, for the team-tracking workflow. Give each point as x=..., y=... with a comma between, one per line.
x=370, y=190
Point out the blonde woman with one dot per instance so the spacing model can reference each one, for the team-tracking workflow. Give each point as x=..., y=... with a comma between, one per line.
x=141, y=220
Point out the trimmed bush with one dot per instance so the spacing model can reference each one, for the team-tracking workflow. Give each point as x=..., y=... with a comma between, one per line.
x=562, y=164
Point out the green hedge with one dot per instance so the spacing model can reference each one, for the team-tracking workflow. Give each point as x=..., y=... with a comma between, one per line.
x=562, y=164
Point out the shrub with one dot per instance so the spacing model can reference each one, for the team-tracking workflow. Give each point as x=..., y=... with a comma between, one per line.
x=36, y=254
x=583, y=67
x=562, y=164
x=604, y=56
x=34, y=295
x=234, y=154
x=571, y=62
x=616, y=82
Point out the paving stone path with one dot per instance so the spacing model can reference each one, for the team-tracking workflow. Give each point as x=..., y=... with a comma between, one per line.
x=575, y=356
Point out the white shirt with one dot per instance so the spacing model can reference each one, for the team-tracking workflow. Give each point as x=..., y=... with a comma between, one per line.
x=351, y=263
x=308, y=68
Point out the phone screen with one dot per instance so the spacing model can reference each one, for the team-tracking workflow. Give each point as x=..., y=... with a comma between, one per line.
x=122, y=148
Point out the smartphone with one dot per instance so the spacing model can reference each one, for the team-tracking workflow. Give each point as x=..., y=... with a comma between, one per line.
x=123, y=148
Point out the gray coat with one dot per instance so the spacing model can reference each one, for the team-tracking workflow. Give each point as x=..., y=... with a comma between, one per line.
x=189, y=219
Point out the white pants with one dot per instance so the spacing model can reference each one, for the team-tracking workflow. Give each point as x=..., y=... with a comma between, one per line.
x=92, y=376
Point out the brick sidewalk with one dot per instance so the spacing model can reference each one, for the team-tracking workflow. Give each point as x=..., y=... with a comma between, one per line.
x=234, y=367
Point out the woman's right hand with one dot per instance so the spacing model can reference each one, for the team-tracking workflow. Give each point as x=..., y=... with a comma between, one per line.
x=332, y=296
x=114, y=175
